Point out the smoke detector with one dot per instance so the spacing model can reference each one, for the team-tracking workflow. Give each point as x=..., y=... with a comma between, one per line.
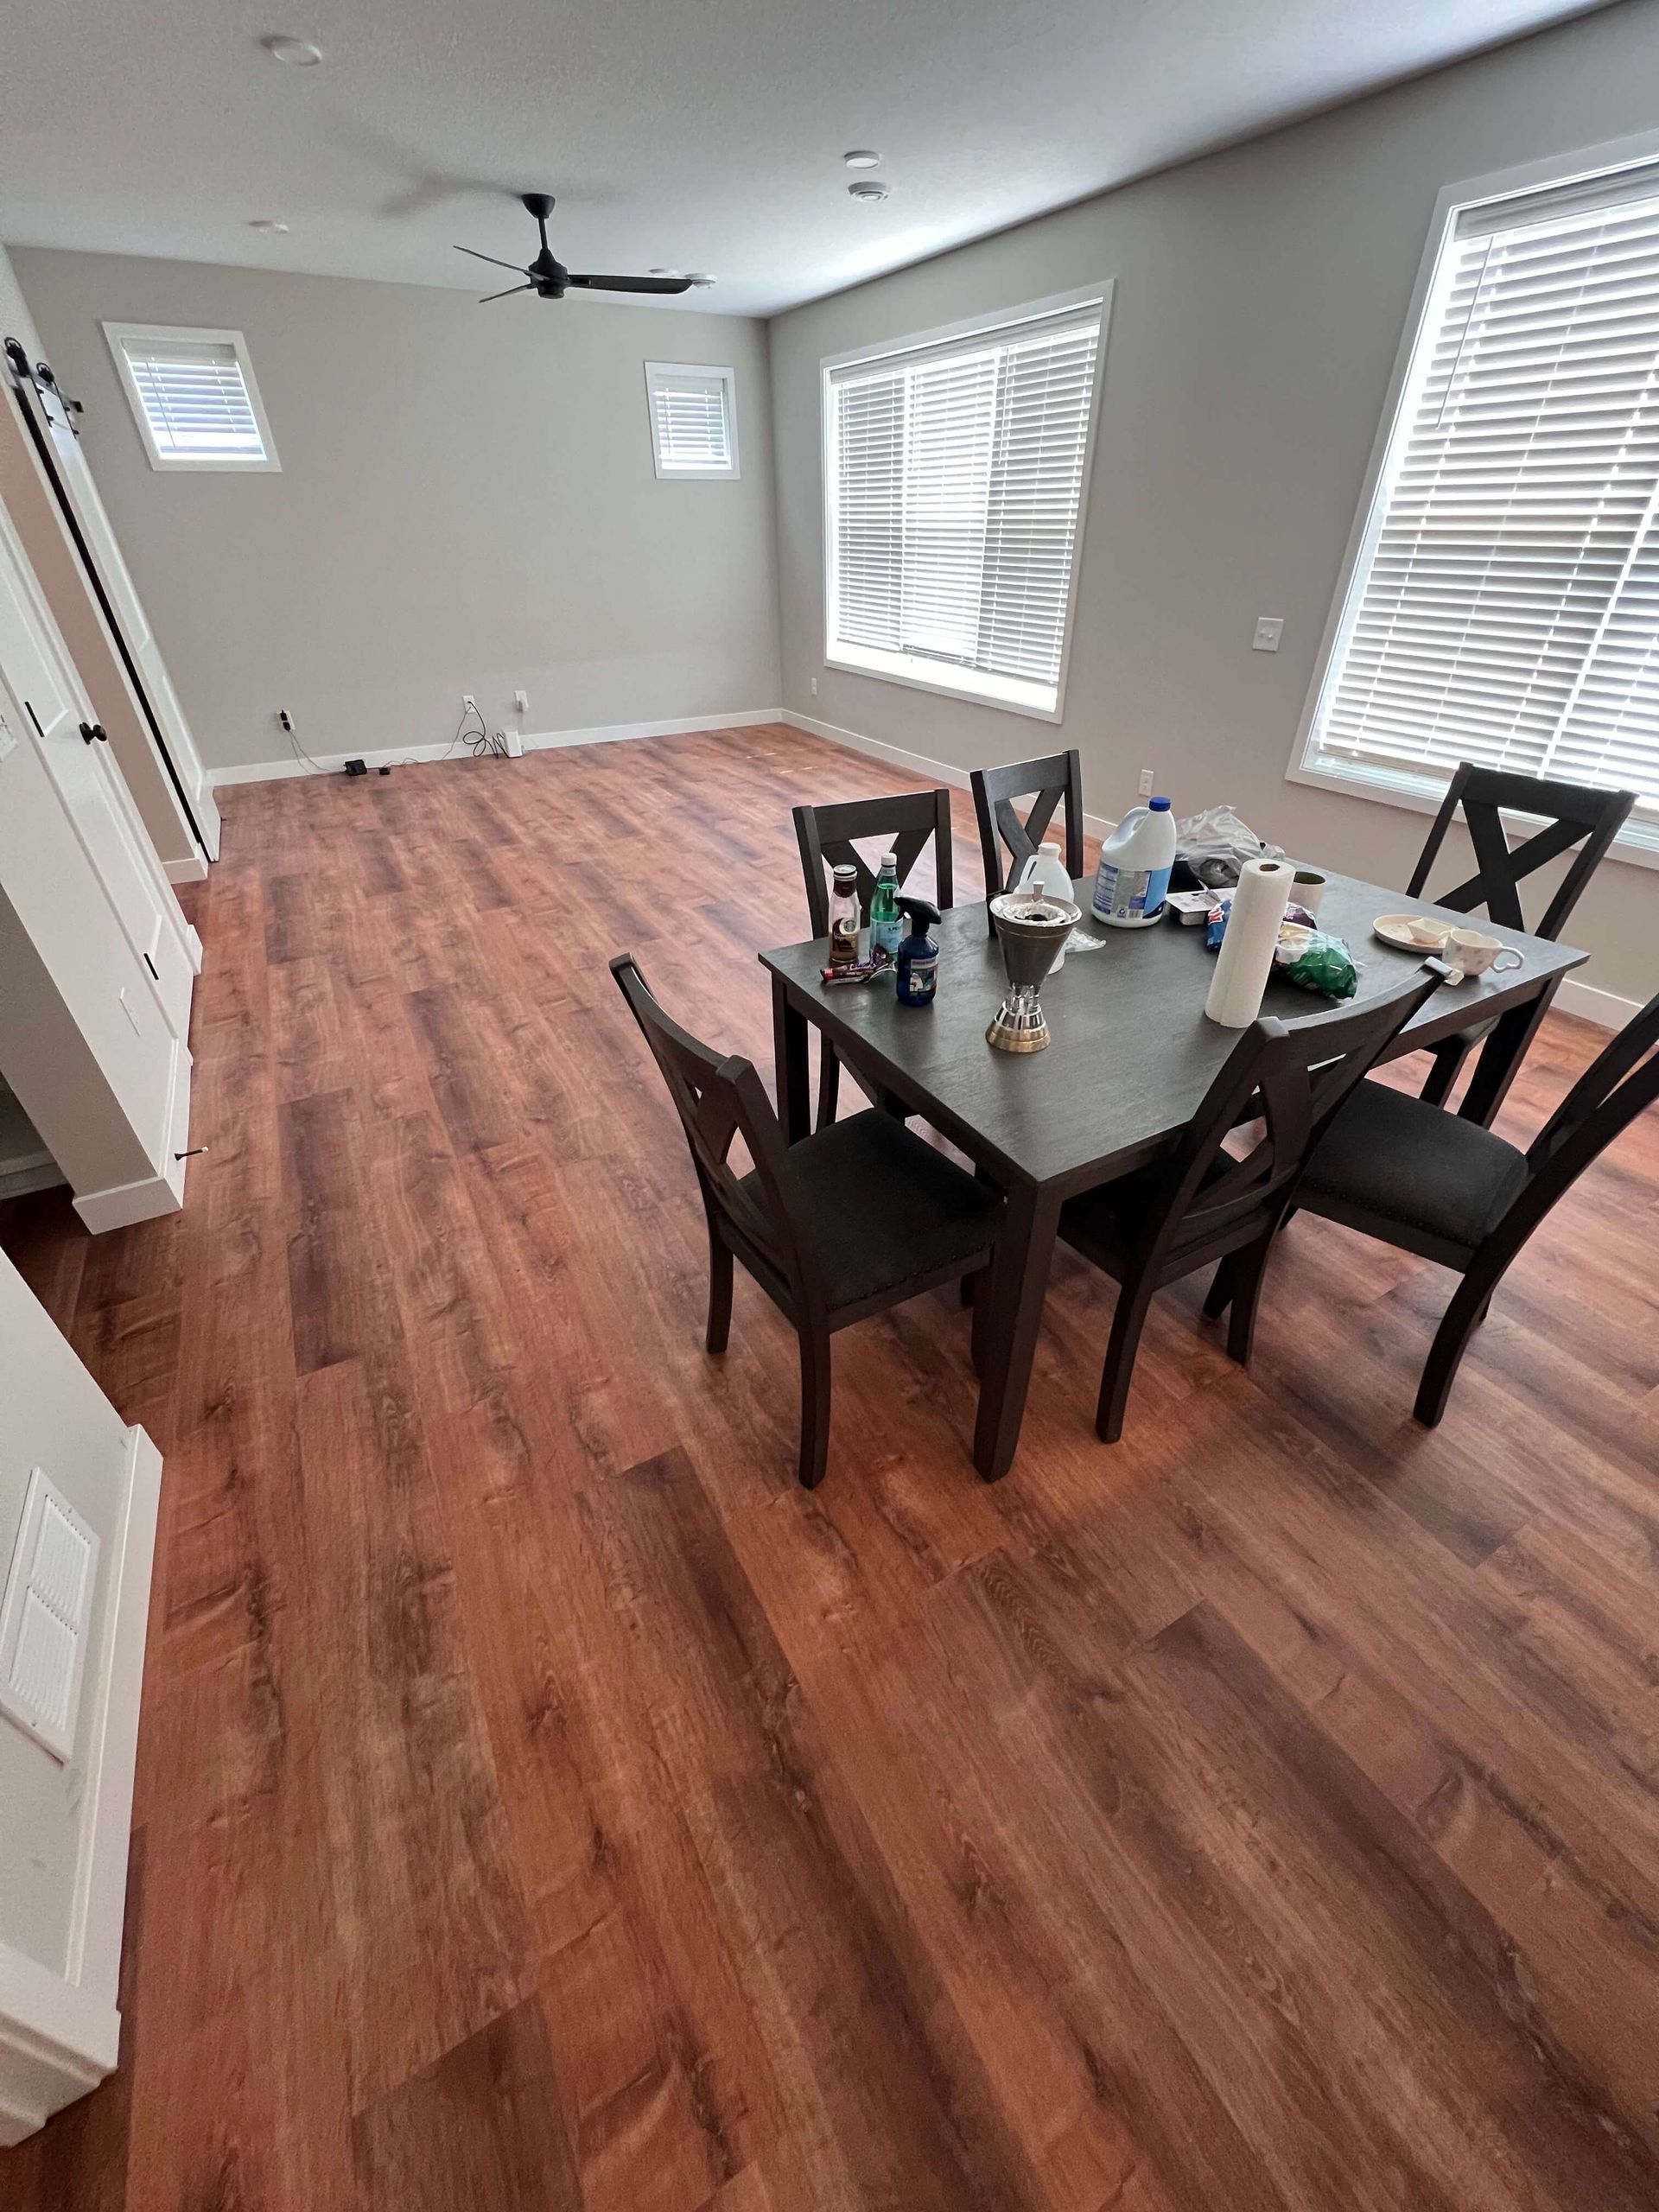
x=868, y=187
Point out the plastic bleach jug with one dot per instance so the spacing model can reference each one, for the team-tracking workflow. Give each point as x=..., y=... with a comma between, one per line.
x=1132, y=880
x=1046, y=871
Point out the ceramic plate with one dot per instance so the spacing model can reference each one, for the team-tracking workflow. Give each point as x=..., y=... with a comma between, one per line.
x=1402, y=930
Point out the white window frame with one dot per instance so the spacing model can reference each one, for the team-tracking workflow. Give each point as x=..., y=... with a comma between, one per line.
x=1013, y=694
x=142, y=334
x=699, y=473
x=1638, y=843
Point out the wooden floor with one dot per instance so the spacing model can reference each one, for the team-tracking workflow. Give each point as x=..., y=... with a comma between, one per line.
x=544, y=1803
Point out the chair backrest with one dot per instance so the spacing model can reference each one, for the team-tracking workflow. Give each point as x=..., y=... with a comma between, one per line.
x=1620, y=1083
x=719, y=1097
x=1574, y=814
x=1291, y=1077
x=1003, y=831
x=907, y=820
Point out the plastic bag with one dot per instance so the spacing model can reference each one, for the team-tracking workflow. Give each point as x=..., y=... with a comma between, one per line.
x=1308, y=957
x=1211, y=848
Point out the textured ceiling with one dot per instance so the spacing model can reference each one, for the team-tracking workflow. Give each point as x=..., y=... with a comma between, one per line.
x=699, y=134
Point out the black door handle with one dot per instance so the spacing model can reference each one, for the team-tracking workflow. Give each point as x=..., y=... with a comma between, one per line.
x=92, y=731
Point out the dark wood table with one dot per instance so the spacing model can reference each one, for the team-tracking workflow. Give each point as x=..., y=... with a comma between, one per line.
x=1131, y=1057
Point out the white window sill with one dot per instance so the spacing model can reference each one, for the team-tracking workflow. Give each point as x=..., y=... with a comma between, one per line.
x=1638, y=843
x=1041, y=702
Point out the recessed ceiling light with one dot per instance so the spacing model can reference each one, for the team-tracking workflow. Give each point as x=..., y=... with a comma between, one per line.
x=868, y=187
x=299, y=51
x=270, y=224
x=700, y=278
x=663, y=272
x=860, y=158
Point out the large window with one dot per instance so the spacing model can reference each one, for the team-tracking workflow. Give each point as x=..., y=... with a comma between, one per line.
x=955, y=473
x=1503, y=607
x=192, y=396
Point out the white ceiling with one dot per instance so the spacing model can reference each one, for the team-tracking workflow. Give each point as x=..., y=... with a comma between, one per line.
x=701, y=134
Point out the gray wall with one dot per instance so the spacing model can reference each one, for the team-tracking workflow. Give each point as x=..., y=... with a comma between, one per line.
x=467, y=503
x=1260, y=298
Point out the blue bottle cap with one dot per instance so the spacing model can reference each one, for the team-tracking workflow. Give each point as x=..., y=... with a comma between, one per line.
x=1159, y=805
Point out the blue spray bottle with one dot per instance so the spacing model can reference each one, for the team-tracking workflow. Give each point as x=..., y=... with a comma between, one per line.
x=918, y=956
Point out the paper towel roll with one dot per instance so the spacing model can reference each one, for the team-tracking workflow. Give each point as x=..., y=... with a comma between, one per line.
x=1246, y=954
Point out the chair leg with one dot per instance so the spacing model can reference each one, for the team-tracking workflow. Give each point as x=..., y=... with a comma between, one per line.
x=978, y=1289
x=828, y=1083
x=815, y=1404
x=1219, y=1296
x=1134, y=1303
x=1449, y=1056
x=719, y=1293
x=1249, y=1266
x=1458, y=1324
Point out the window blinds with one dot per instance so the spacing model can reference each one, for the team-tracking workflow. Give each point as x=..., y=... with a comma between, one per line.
x=195, y=399
x=1506, y=605
x=955, y=490
x=691, y=421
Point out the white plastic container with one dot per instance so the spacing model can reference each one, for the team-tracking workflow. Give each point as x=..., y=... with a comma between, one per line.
x=1046, y=871
x=1132, y=879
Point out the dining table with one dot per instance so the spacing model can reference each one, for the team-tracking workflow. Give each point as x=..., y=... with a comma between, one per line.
x=1131, y=1057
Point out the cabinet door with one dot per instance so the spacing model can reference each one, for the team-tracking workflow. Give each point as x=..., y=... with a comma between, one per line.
x=103, y=547
x=41, y=678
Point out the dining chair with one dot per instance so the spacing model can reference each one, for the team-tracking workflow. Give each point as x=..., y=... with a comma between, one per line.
x=904, y=824
x=1573, y=814
x=1004, y=829
x=857, y=1217
x=1402, y=1171
x=1203, y=1202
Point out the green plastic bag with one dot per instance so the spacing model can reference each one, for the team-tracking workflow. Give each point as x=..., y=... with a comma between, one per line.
x=1315, y=962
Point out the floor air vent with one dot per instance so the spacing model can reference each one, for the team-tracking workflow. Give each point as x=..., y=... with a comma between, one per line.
x=45, y=1617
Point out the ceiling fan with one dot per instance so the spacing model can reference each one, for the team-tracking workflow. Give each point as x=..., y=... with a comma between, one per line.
x=552, y=280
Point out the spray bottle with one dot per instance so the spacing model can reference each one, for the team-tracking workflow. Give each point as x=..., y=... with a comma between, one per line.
x=918, y=956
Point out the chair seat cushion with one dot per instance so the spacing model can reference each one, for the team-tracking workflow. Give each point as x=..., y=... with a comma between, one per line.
x=1392, y=1155
x=881, y=1207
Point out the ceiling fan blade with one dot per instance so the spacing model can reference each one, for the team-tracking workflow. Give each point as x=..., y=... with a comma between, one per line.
x=490, y=258
x=631, y=283
x=507, y=295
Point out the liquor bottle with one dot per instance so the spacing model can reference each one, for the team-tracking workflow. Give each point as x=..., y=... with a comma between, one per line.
x=844, y=920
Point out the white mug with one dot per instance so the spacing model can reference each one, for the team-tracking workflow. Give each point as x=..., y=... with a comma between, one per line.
x=1472, y=952
x=1308, y=890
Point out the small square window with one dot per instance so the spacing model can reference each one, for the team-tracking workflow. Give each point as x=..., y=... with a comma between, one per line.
x=193, y=396
x=693, y=419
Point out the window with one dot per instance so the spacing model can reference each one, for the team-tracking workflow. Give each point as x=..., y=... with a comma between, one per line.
x=956, y=468
x=193, y=396
x=693, y=419
x=1504, y=602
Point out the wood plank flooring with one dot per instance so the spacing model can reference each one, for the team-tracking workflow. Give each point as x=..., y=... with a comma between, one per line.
x=543, y=1803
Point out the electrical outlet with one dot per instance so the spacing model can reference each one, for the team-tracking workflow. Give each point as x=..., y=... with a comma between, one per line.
x=468, y=703
x=813, y=683
x=1269, y=628
x=1145, y=783
x=521, y=703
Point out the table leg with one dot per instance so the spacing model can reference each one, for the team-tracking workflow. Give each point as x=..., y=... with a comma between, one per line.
x=1501, y=1056
x=790, y=1076
x=1018, y=1285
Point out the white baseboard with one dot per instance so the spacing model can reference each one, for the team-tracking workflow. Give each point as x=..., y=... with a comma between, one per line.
x=35, y=1172
x=59, y=2034
x=399, y=756
x=914, y=764
x=1606, y=1008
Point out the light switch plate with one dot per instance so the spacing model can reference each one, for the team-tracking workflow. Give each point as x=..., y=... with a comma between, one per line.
x=1269, y=628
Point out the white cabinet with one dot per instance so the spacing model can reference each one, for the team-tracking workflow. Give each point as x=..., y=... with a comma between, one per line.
x=65, y=1812
x=96, y=961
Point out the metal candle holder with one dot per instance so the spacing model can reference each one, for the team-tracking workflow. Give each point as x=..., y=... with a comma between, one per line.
x=1031, y=927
